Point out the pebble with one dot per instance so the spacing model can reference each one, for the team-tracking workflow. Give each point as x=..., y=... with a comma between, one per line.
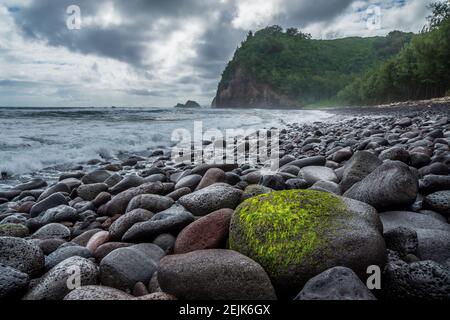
x=151, y=202
x=52, y=231
x=19, y=254
x=13, y=230
x=64, y=253
x=119, y=227
x=391, y=185
x=212, y=198
x=209, y=232
x=172, y=220
x=124, y=267
x=13, y=283
x=439, y=202
x=52, y=201
x=54, y=284
x=214, y=275
x=335, y=284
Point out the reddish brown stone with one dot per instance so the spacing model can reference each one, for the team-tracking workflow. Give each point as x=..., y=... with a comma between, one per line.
x=108, y=222
x=25, y=207
x=209, y=232
x=212, y=176
x=97, y=240
x=101, y=199
x=107, y=248
x=140, y=290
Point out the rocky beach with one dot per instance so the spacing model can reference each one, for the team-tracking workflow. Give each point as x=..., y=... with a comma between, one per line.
x=367, y=190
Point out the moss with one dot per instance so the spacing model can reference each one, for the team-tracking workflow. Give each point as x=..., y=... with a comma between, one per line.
x=283, y=228
x=13, y=230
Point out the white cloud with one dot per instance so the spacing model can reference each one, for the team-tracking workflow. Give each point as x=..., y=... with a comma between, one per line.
x=253, y=14
x=353, y=22
x=106, y=17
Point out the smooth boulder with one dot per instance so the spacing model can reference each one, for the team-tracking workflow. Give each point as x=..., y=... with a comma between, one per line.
x=209, y=232
x=391, y=185
x=214, y=275
x=439, y=202
x=151, y=202
x=298, y=234
x=52, y=231
x=52, y=201
x=337, y=283
x=358, y=167
x=314, y=174
x=124, y=267
x=433, y=235
x=64, y=253
x=172, y=220
x=126, y=221
x=210, y=199
x=12, y=282
x=21, y=255
x=119, y=203
x=54, y=284
x=89, y=192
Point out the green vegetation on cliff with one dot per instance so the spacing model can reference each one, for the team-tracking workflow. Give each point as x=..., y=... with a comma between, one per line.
x=400, y=66
x=420, y=71
x=309, y=70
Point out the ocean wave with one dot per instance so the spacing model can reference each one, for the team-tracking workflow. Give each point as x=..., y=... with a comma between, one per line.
x=46, y=138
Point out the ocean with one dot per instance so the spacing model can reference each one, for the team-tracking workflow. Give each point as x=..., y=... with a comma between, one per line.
x=45, y=141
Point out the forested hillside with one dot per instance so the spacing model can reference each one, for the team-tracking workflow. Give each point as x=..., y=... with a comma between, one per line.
x=291, y=65
x=420, y=71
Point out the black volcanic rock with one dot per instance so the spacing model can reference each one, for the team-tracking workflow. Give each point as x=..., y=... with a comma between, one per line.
x=188, y=105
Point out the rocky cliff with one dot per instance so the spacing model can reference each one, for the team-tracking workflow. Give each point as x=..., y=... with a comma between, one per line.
x=242, y=91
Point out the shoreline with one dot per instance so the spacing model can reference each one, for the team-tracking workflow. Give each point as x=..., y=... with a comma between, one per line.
x=413, y=108
x=176, y=217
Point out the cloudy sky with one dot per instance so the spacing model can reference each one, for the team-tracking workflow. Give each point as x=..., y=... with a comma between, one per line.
x=157, y=53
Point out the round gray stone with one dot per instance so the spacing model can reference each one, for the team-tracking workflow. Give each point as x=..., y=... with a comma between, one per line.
x=54, y=284
x=52, y=231
x=212, y=198
x=21, y=255
x=214, y=275
x=12, y=282
x=338, y=283
x=124, y=267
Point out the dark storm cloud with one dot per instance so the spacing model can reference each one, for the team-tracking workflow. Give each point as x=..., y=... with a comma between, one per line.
x=129, y=42
x=46, y=19
x=305, y=12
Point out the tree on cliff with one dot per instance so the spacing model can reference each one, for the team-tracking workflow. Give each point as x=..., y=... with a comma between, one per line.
x=420, y=71
x=307, y=70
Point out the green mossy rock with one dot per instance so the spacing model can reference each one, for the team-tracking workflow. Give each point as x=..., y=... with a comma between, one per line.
x=13, y=230
x=297, y=234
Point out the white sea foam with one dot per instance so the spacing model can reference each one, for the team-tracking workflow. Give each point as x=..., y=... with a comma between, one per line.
x=36, y=138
